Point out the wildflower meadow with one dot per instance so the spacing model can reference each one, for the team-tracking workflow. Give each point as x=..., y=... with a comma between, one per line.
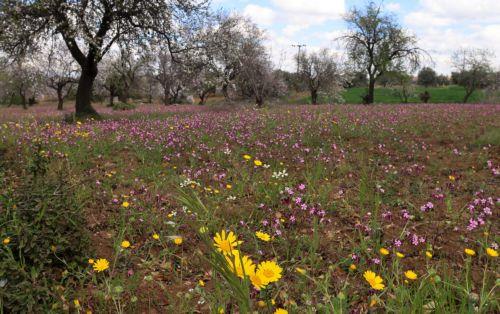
x=284, y=209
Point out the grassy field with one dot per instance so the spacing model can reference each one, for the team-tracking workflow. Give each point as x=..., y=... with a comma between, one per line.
x=287, y=209
x=384, y=95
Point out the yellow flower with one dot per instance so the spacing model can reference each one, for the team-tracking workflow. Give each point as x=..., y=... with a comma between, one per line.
x=247, y=157
x=373, y=302
x=280, y=311
x=428, y=254
x=91, y=261
x=125, y=204
x=77, y=303
x=257, y=162
x=241, y=266
x=201, y=283
x=257, y=281
x=263, y=236
x=470, y=252
x=301, y=271
x=269, y=271
x=492, y=252
x=156, y=236
x=384, y=251
x=261, y=303
x=375, y=281
x=400, y=255
x=229, y=186
x=226, y=243
x=125, y=244
x=410, y=274
x=101, y=265
x=352, y=267
x=6, y=240
x=178, y=240
x=452, y=178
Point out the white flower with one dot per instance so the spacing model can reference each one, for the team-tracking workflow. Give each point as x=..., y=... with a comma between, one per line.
x=280, y=174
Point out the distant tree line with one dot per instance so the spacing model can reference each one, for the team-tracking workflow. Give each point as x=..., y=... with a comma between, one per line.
x=180, y=51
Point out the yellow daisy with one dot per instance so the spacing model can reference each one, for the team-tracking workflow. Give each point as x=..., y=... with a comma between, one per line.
x=410, y=274
x=470, y=252
x=269, y=271
x=6, y=241
x=178, y=240
x=257, y=281
x=247, y=157
x=492, y=252
x=241, y=266
x=375, y=281
x=263, y=236
x=101, y=265
x=257, y=162
x=384, y=251
x=226, y=243
x=125, y=244
x=280, y=311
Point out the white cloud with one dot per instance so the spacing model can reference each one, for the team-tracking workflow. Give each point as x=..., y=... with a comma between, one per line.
x=393, y=6
x=420, y=19
x=443, y=26
x=323, y=9
x=261, y=15
x=463, y=9
x=432, y=13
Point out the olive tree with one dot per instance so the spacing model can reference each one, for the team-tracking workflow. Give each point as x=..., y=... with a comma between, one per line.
x=473, y=69
x=59, y=71
x=91, y=28
x=376, y=43
x=256, y=77
x=320, y=72
x=427, y=77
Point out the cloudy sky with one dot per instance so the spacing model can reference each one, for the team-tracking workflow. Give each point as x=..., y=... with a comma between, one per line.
x=440, y=25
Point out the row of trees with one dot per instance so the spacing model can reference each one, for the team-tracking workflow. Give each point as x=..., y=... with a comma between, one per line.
x=174, y=49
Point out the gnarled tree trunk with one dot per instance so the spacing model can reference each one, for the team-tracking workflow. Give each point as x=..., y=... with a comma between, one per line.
x=60, y=98
x=84, y=90
x=314, y=96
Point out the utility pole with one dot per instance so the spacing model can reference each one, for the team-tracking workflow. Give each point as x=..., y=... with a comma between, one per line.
x=299, y=46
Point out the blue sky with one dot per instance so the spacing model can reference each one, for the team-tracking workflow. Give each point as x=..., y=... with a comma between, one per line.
x=440, y=25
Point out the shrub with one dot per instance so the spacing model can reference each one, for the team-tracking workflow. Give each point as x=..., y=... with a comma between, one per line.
x=425, y=97
x=46, y=234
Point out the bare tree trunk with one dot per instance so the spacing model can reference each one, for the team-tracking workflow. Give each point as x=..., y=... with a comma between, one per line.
x=150, y=94
x=23, y=99
x=203, y=98
x=259, y=101
x=468, y=93
x=225, y=91
x=370, y=97
x=60, y=98
x=314, y=96
x=166, y=97
x=124, y=94
x=83, y=104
